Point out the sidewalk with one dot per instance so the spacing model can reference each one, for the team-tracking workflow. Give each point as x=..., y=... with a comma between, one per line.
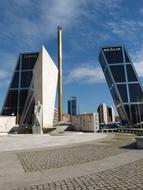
x=22, y=142
x=72, y=166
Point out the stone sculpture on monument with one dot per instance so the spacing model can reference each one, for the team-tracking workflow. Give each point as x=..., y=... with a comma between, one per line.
x=38, y=113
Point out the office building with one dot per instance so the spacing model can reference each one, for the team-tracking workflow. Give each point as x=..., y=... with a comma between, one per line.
x=72, y=105
x=110, y=114
x=123, y=83
x=106, y=114
x=117, y=118
x=19, y=85
x=102, y=111
x=34, y=80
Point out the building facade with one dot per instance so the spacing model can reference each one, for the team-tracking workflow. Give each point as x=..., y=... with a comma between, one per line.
x=20, y=85
x=124, y=84
x=110, y=114
x=72, y=105
x=102, y=111
x=106, y=114
x=34, y=80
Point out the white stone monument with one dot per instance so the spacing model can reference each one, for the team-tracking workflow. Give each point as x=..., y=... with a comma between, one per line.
x=45, y=75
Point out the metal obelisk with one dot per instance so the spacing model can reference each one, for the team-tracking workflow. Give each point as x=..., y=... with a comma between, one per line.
x=60, y=112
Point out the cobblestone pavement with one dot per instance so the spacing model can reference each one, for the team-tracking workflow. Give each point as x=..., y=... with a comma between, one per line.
x=126, y=177
x=61, y=157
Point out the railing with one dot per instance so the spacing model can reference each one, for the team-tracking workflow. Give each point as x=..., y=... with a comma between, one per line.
x=137, y=131
x=108, y=130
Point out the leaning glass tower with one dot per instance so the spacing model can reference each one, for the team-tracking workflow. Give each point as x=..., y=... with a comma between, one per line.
x=124, y=84
x=20, y=85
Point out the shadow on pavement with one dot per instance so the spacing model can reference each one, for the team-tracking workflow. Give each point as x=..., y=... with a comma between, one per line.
x=132, y=146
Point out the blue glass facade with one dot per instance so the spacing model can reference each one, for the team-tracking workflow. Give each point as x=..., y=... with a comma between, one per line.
x=72, y=106
x=123, y=84
x=20, y=85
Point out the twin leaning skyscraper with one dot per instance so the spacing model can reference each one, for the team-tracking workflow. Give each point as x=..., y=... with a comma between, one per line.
x=124, y=84
x=24, y=92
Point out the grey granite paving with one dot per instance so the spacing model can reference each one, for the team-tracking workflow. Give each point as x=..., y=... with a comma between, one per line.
x=42, y=160
x=126, y=177
x=56, y=158
x=122, y=177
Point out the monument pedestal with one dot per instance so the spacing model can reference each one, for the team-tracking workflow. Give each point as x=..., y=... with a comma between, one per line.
x=37, y=130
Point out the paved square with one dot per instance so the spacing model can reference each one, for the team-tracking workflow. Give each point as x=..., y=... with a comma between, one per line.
x=56, y=158
x=47, y=159
x=113, y=163
x=126, y=177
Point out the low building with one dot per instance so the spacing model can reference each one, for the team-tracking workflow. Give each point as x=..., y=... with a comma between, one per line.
x=88, y=122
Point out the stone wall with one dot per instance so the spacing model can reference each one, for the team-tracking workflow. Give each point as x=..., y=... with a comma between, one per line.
x=7, y=123
x=85, y=122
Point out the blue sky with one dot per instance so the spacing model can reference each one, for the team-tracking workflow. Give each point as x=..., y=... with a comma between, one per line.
x=87, y=25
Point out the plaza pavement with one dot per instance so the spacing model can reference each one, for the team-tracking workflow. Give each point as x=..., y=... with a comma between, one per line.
x=70, y=161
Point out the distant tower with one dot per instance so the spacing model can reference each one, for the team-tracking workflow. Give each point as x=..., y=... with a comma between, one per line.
x=110, y=114
x=60, y=112
x=72, y=106
x=102, y=111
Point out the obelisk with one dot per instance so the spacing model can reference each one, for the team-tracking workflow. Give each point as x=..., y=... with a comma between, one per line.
x=60, y=112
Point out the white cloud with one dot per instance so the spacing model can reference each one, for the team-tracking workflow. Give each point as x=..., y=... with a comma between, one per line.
x=5, y=83
x=4, y=78
x=89, y=74
x=7, y=68
x=86, y=73
x=30, y=23
x=139, y=67
x=138, y=62
x=126, y=29
x=141, y=11
x=3, y=74
x=64, y=13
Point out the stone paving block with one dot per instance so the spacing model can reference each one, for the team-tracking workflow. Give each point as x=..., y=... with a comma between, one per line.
x=57, y=158
x=125, y=177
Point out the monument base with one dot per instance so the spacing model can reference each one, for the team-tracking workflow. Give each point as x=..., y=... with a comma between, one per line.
x=37, y=130
x=139, y=141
